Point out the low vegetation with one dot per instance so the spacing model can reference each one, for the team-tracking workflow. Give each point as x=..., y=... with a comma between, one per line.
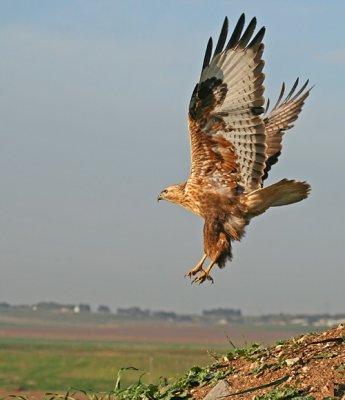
x=30, y=364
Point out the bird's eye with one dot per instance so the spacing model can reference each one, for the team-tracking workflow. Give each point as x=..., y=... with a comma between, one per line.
x=165, y=191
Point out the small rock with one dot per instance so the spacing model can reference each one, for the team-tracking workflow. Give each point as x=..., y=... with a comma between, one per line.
x=305, y=369
x=279, y=347
x=254, y=365
x=220, y=390
x=292, y=361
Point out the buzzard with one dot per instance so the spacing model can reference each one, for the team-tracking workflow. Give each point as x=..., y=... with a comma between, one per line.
x=235, y=140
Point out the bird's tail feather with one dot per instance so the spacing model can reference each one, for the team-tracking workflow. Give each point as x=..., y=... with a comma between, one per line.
x=279, y=194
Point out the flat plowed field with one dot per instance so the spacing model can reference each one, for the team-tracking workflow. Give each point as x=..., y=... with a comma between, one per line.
x=157, y=333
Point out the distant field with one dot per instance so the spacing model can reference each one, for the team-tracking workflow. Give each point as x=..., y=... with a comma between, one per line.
x=42, y=352
x=43, y=324
x=52, y=364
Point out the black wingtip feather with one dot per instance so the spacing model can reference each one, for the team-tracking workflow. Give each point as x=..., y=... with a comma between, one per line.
x=248, y=33
x=257, y=38
x=236, y=39
x=301, y=90
x=208, y=54
x=292, y=96
x=222, y=37
x=292, y=90
x=281, y=94
x=236, y=33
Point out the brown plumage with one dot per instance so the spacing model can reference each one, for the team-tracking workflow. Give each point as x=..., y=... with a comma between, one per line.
x=233, y=145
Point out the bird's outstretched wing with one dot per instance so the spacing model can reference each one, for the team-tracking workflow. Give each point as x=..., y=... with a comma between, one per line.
x=280, y=119
x=228, y=141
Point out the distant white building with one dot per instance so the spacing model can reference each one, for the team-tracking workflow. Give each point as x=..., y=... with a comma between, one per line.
x=329, y=322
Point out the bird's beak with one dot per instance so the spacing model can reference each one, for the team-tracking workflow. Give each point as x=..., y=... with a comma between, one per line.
x=159, y=198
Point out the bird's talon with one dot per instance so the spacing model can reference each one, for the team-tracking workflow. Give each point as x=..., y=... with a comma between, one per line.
x=192, y=273
x=195, y=280
x=202, y=277
x=197, y=268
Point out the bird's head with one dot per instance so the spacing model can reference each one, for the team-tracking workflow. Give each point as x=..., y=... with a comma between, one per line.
x=173, y=193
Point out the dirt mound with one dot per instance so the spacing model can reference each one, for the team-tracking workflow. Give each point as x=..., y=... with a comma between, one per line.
x=306, y=367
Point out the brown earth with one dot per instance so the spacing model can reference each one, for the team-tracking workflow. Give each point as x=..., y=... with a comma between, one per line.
x=313, y=363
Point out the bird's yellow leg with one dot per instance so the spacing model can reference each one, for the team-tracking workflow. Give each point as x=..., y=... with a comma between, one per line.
x=205, y=274
x=197, y=268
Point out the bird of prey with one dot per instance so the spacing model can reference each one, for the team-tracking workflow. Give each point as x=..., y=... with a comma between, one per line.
x=235, y=140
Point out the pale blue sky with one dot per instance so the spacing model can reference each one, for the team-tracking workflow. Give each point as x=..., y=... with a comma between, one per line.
x=93, y=108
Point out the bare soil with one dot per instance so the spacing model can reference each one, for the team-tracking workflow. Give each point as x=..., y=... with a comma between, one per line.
x=313, y=363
